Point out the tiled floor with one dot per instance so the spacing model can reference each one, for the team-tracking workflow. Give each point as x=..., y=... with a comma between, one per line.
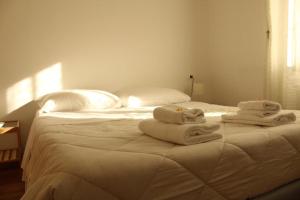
x=11, y=186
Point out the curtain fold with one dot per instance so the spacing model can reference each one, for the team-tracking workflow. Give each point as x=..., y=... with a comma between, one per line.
x=283, y=75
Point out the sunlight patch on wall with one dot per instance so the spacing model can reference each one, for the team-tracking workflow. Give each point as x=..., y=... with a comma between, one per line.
x=26, y=90
x=19, y=94
x=48, y=80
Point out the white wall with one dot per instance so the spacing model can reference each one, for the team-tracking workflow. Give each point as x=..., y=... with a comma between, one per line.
x=100, y=44
x=202, y=69
x=236, y=50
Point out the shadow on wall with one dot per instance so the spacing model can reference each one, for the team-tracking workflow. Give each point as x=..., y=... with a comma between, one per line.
x=21, y=96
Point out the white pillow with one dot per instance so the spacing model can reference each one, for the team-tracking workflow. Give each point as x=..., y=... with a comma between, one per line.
x=78, y=100
x=151, y=96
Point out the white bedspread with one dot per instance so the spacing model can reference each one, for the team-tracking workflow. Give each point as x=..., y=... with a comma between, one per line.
x=105, y=156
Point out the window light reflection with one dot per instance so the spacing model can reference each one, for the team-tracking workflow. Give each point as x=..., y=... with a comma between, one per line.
x=19, y=94
x=134, y=102
x=215, y=114
x=98, y=115
x=291, y=32
x=48, y=80
x=24, y=91
x=49, y=106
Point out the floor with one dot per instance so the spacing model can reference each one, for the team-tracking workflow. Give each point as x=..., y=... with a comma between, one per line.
x=11, y=186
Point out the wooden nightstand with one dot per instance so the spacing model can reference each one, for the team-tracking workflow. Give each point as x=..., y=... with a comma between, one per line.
x=10, y=142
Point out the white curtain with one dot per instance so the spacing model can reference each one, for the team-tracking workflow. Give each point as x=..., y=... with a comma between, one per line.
x=283, y=83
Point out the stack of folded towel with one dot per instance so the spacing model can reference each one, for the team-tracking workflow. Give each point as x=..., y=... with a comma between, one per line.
x=179, y=125
x=264, y=113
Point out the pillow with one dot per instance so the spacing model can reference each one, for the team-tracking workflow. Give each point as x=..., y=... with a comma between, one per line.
x=78, y=100
x=151, y=96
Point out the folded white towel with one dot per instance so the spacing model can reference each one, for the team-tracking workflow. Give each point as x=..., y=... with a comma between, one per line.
x=259, y=105
x=185, y=134
x=274, y=120
x=258, y=113
x=178, y=115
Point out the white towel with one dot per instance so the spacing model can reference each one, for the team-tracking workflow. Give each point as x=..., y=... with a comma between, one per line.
x=178, y=115
x=259, y=105
x=274, y=120
x=258, y=113
x=185, y=134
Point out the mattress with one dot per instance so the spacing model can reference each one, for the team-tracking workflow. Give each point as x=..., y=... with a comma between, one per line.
x=104, y=156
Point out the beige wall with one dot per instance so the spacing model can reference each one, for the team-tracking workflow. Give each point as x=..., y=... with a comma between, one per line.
x=236, y=49
x=202, y=68
x=101, y=44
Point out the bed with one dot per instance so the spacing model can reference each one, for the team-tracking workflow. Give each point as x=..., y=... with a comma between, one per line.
x=103, y=155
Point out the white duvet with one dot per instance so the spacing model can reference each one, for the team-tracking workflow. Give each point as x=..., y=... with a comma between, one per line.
x=105, y=156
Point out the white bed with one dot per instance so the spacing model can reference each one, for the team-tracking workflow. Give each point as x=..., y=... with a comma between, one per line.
x=84, y=155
